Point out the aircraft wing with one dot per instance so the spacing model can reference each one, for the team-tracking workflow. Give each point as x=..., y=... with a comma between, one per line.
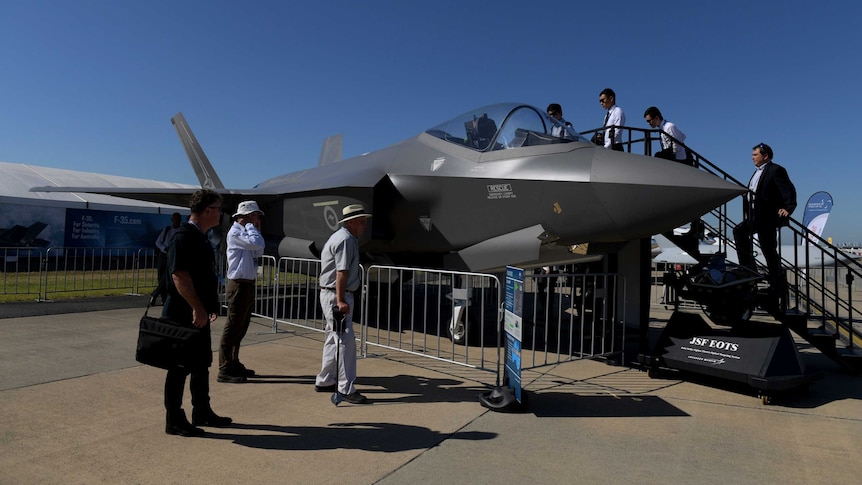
x=336, y=178
x=295, y=185
x=175, y=197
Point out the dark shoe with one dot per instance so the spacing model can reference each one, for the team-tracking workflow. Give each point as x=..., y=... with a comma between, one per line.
x=241, y=370
x=209, y=418
x=177, y=424
x=329, y=388
x=186, y=430
x=354, y=398
x=230, y=378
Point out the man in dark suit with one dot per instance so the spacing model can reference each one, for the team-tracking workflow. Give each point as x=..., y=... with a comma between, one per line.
x=767, y=206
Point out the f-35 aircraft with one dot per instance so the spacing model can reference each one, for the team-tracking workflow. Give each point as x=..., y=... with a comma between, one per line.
x=20, y=236
x=485, y=189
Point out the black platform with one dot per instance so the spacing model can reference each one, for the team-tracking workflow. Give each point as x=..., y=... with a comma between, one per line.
x=760, y=355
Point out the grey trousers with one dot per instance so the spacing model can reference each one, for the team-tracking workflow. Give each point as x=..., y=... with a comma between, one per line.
x=345, y=374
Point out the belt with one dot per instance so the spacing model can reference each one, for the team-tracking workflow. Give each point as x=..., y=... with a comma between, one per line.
x=238, y=280
x=326, y=288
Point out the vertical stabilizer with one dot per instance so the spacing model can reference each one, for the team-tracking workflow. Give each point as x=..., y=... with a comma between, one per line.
x=330, y=151
x=200, y=163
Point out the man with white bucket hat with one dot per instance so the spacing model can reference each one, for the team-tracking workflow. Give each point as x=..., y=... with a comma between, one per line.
x=244, y=245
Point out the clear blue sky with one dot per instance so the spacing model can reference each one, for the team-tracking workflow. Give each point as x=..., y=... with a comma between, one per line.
x=91, y=85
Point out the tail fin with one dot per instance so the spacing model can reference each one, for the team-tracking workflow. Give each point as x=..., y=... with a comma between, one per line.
x=200, y=163
x=33, y=232
x=330, y=151
x=817, y=213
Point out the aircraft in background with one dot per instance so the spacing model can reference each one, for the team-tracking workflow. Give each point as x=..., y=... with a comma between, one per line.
x=20, y=236
x=489, y=188
x=816, y=215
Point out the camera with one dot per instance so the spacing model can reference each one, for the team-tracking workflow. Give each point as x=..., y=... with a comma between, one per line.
x=339, y=317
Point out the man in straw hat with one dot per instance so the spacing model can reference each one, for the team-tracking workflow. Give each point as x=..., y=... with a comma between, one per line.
x=339, y=280
x=244, y=245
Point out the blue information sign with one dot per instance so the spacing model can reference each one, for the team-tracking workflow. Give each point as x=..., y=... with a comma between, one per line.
x=514, y=326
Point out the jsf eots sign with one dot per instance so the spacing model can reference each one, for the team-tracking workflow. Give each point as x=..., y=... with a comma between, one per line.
x=722, y=355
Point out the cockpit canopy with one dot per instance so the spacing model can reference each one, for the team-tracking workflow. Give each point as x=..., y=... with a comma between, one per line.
x=504, y=126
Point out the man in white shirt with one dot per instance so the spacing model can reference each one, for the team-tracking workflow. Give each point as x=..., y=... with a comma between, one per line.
x=555, y=111
x=244, y=245
x=671, y=137
x=612, y=136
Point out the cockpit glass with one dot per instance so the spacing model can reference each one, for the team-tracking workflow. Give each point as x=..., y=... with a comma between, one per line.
x=505, y=126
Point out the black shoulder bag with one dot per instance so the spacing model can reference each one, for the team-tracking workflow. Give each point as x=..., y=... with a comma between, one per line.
x=166, y=344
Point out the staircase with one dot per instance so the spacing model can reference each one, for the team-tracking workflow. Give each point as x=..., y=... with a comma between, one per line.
x=816, y=307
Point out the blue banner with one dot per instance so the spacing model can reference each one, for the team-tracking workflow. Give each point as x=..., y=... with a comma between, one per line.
x=86, y=228
x=817, y=212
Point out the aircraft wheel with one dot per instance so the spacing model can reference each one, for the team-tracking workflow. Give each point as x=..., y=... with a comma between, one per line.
x=765, y=399
x=652, y=373
x=465, y=330
x=458, y=331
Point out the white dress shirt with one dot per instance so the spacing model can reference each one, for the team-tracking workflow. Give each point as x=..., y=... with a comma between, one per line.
x=669, y=128
x=244, y=244
x=615, y=117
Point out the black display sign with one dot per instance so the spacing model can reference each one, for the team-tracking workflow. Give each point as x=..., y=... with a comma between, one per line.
x=722, y=354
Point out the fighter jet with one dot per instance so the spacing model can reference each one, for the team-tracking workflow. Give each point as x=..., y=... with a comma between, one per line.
x=20, y=236
x=488, y=188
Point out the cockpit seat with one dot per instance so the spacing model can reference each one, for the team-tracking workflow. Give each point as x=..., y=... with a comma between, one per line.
x=480, y=131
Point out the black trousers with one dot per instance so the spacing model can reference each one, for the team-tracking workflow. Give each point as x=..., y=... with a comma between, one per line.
x=199, y=386
x=768, y=237
x=162, y=270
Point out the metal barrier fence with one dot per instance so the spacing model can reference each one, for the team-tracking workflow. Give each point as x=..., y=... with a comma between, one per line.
x=76, y=270
x=22, y=271
x=572, y=316
x=287, y=292
x=446, y=315
x=55, y=271
x=455, y=316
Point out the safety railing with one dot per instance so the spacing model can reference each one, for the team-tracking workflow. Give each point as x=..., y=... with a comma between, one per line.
x=288, y=293
x=21, y=273
x=455, y=316
x=571, y=316
x=59, y=271
x=447, y=315
x=146, y=276
x=87, y=270
x=820, y=282
x=824, y=291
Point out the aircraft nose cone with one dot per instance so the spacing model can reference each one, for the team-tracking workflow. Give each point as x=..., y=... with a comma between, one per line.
x=641, y=196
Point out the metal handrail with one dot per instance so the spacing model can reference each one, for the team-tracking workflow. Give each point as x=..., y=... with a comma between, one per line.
x=817, y=295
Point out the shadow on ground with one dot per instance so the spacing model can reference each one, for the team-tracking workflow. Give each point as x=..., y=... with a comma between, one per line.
x=382, y=437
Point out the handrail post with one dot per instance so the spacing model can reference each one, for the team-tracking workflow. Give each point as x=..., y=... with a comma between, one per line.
x=849, y=279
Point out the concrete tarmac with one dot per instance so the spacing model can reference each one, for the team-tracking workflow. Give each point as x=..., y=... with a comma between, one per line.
x=76, y=408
